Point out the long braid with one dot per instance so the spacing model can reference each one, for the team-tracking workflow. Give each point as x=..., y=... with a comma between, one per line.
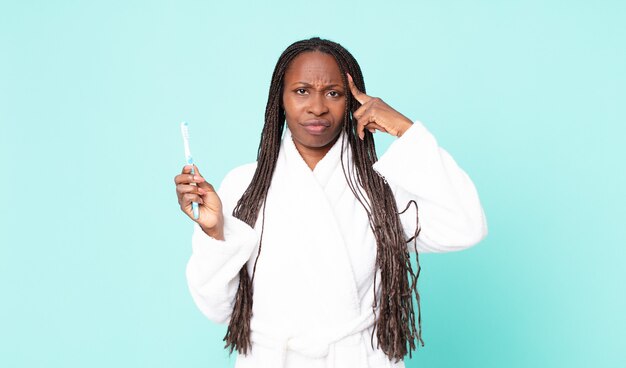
x=395, y=324
x=248, y=207
x=395, y=327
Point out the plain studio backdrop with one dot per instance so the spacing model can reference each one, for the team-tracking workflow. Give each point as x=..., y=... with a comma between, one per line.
x=528, y=97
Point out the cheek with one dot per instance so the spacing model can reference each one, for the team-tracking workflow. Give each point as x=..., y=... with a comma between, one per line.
x=339, y=110
x=290, y=106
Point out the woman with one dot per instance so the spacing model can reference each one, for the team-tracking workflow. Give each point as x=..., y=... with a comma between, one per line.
x=305, y=253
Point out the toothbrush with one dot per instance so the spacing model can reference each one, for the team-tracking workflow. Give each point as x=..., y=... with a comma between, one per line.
x=184, y=129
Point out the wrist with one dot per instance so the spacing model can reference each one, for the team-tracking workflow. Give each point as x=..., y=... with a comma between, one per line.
x=215, y=232
x=404, y=126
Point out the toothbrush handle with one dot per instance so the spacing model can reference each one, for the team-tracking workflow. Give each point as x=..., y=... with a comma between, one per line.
x=194, y=205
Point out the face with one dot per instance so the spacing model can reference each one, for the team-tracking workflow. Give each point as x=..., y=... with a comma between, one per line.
x=314, y=100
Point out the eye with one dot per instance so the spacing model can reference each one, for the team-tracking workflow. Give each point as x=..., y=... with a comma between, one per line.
x=300, y=91
x=334, y=94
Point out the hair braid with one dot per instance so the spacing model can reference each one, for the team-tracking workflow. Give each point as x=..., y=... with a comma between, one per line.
x=395, y=326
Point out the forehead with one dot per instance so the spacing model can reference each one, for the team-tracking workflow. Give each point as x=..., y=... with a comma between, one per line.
x=313, y=66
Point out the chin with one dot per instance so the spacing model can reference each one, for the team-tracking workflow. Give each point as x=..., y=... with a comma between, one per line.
x=316, y=141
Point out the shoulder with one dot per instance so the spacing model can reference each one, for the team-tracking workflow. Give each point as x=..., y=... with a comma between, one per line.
x=234, y=184
x=240, y=175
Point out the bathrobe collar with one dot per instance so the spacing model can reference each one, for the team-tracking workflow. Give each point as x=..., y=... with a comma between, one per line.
x=326, y=166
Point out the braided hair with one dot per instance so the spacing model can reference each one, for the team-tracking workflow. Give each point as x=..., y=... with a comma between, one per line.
x=395, y=323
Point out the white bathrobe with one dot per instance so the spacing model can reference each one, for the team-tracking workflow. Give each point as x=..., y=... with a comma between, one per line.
x=314, y=281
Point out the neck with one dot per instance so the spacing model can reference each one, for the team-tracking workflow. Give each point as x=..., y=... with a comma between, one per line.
x=313, y=155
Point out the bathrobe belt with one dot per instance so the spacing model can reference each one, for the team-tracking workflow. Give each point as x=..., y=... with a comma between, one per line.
x=348, y=338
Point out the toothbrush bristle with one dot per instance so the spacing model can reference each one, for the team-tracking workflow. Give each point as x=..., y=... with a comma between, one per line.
x=184, y=128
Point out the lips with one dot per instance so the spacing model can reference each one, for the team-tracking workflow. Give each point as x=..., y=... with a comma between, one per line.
x=316, y=126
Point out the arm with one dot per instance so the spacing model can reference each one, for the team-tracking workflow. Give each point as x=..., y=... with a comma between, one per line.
x=213, y=268
x=450, y=214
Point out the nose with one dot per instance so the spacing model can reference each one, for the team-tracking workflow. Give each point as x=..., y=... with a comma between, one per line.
x=317, y=104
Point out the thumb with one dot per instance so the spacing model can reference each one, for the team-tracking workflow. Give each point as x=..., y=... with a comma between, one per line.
x=203, y=184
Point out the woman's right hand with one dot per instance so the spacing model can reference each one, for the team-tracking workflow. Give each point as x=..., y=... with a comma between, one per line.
x=210, y=218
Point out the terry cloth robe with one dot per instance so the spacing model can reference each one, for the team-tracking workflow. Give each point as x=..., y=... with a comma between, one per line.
x=314, y=281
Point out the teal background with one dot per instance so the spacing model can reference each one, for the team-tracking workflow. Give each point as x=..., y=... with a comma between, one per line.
x=528, y=96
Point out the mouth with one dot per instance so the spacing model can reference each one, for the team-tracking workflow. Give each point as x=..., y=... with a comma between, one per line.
x=316, y=126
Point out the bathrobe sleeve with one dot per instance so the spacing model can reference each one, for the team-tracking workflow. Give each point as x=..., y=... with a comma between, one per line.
x=213, y=269
x=450, y=214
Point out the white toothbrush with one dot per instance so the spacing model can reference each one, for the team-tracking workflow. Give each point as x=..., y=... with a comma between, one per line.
x=184, y=129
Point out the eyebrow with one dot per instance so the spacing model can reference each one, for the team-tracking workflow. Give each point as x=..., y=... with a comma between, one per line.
x=334, y=85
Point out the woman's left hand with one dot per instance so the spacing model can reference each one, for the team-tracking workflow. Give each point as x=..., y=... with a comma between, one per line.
x=374, y=114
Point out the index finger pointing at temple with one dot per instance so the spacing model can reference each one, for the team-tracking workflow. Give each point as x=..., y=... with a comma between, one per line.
x=358, y=95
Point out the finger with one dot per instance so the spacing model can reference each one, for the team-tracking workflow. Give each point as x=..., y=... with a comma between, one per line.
x=181, y=178
x=186, y=205
x=188, y=178
x=201, y=182
x=190, y=169
x=206, y=186
x=370, y=124
x=190, y=197
x=186, y=169
x=364, y=117
x=358, y=113
x=358, y=95
x=375, y=126
x=360, y=128
x=183, y=189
